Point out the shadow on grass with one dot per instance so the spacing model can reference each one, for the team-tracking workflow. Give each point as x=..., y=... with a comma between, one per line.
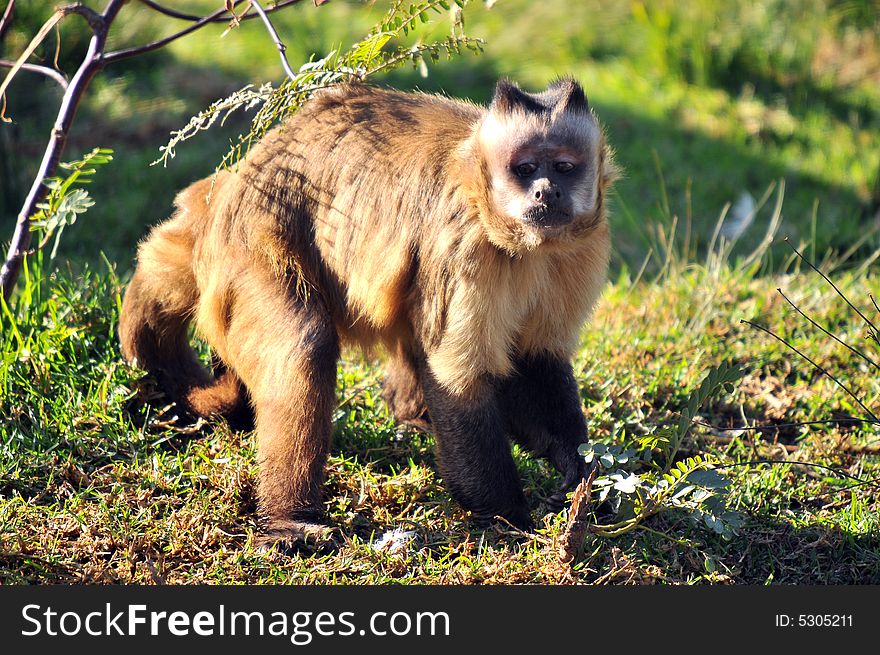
x=803, y=96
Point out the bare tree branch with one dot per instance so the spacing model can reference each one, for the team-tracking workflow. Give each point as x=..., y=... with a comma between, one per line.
x=98, y=22
x=42, y=70
x=282, y=49
x=7, y=17
x=95, y=59
x=155, y=45
x=91, y=64
x=173, y=13
x=219, y=15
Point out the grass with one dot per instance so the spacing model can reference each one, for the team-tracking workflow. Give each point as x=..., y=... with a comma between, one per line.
x=100, y=483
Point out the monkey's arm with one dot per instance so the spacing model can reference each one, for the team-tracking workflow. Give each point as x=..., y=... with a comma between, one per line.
x=542, y=408
x=474, y=453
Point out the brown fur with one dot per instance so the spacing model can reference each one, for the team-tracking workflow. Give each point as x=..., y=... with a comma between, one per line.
x=373, y=218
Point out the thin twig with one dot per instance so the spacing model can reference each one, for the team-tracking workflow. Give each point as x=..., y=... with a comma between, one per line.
x=816, y=366
x=7, y=17
x=126, y=53
x=833, y=286
x=723, y=440
x=282, y=49
x=777, y=426
x=214, y=17
x=28, y=51
x=98, y=22
x=42, y=70
x=849, y=487
x=173, y=13
x=791, y=462
x=837, y=339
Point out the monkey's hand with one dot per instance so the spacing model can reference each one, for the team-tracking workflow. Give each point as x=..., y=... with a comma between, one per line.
x=574, y=469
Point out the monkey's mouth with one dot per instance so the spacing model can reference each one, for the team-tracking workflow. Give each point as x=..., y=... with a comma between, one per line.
x=547, y=217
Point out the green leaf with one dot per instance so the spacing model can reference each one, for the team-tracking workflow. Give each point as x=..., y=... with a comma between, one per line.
x=709, y=564
x=711, y=522
x=682, y=492
x=708, y=478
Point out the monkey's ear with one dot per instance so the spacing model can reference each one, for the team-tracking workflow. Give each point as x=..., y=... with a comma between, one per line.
x=569, y=96
x=509, y=97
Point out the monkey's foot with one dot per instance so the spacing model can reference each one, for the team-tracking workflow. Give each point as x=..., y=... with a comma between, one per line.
x=291, y=537
x=519, y=518
x=404, y=397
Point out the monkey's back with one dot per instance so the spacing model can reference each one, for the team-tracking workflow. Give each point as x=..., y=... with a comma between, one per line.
x=344, y=189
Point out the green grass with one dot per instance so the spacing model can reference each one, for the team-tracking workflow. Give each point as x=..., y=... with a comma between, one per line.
x=100, y=483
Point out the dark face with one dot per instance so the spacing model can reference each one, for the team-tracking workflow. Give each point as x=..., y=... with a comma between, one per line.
x=544, y=182
x=548, y=176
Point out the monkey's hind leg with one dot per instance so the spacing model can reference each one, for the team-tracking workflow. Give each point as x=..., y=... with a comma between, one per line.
x=403, y=393
x=542, y=408
x=153, y=327
x=285, y=349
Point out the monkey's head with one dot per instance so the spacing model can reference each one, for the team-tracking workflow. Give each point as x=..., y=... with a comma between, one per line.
x=545, y=165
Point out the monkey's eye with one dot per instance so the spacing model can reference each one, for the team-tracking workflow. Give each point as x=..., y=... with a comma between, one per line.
x=563, y=167
x=525, y=169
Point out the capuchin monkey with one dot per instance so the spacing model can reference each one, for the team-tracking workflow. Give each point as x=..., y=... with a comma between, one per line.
x=469, y=243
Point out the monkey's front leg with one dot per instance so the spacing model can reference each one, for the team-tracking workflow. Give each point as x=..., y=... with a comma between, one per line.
x=474, y=453
x=542, y=407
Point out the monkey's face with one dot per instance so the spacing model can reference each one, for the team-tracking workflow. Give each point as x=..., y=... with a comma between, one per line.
x=544, y=182
x=543, y=158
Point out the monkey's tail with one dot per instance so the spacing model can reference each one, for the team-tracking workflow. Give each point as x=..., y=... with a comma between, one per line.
x=153, y=327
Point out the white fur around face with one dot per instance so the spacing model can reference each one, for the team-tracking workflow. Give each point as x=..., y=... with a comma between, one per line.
x=498, y=136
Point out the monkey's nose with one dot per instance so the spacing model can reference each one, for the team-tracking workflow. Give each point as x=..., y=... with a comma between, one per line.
x=547, y=194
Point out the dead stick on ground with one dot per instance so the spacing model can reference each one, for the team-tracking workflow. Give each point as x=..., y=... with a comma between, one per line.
x=576, y=530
